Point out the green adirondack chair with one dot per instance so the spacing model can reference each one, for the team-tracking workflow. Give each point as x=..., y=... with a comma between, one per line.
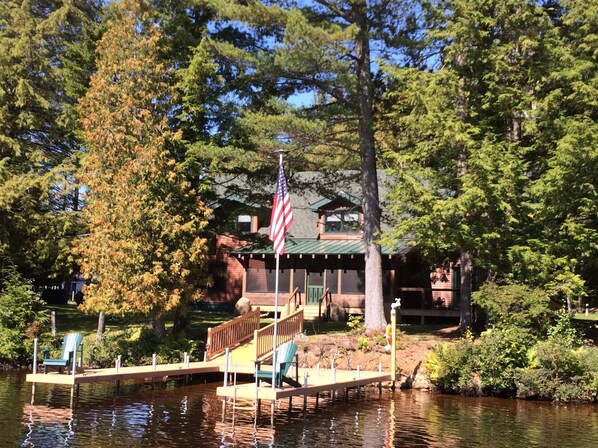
x=70, y=345
x=286, y=355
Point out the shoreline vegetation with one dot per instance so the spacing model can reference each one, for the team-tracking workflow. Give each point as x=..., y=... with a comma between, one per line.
x=562, y=367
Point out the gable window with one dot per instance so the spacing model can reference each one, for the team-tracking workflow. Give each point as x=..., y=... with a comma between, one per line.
x=244, y=223
x=340, y=221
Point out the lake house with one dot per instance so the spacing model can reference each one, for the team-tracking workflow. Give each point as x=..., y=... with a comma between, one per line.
x=323, y=264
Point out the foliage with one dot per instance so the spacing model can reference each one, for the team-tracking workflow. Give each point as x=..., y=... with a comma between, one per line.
x=559, y=371
x=22, y=317
x=363, y=344
x=355, y=324
x=450, y=366
x=513, y=305
x=493, y=151
x=563, y=328
x=45, y=56
x=145, y=250
x=136, y=347
x=498, y=356
x=509, y=362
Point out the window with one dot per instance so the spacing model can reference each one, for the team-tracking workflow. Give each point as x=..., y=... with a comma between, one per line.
x=341, y=221
x=244, y=223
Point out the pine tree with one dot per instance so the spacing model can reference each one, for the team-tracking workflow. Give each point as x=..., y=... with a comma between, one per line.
x=145, y=252
x=39, y=146
x=320, y=48
x=463, y=135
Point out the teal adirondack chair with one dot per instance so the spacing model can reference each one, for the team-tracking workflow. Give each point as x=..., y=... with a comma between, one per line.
x=286, y=355
x=70, y=345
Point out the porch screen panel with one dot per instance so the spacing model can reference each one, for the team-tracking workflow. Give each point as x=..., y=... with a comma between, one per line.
x=353, y=281
x=261, y=277
x=299, y=279
x=332, y=276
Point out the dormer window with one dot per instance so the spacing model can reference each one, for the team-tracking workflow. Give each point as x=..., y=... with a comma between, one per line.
x=244, y=223
x=341, y=222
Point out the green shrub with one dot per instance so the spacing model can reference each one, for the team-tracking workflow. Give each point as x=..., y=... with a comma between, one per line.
x=363, y=344
x=355, y=324
x=22, y=317
x=497, y=357
x=136, y=347
x=450, y=367
x=563, y=328
x=559, y=371
x=515, y=305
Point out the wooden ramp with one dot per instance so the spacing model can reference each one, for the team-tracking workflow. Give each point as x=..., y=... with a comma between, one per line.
x=318, y=380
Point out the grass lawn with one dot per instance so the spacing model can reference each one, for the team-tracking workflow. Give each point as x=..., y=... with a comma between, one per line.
x=588, y=318
x=70, y=320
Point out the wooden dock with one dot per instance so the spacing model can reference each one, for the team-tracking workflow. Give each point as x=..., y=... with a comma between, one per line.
x=316, y=381
x=127, y=373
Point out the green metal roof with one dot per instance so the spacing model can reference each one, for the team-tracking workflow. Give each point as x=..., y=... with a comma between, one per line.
x=309, y=246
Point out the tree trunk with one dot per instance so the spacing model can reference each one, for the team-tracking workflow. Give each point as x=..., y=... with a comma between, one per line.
x=466, y=277
x=101, y=326
x=157, y=324
x=181, y=320
x=374, y=298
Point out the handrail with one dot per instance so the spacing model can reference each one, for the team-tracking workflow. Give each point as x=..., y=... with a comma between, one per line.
x=327, y=298
x=231, y=333
x=293, y=298
x=286, y=329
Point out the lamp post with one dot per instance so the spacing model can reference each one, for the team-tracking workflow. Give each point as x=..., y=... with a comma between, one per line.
x=393, y=350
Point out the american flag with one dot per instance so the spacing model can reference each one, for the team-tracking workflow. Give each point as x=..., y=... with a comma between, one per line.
x=282, y=213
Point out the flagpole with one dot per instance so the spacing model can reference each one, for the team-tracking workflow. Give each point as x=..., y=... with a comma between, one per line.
x=275, y=309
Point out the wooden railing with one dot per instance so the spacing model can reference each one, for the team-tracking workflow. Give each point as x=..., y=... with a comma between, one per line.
x=231, y=333
x=294, y=302
x=327, y=300
x=286, y=330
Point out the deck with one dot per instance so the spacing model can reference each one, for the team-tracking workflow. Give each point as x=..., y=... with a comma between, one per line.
x=318, y=380
x=126, y=373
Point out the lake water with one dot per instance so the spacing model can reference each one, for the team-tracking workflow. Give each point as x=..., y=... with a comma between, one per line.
x=192, y=416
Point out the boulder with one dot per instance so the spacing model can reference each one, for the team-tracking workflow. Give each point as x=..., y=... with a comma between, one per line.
x=243, y=306
x=337, y=313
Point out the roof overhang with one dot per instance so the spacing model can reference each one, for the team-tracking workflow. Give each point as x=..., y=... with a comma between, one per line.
x=310, y=246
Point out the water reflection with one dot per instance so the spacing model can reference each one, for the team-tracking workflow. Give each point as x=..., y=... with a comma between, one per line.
x=192, y=415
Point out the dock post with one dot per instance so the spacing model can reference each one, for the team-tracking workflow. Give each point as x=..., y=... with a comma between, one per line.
x=117, y=367
x=272, y=403
x=34, y=368
x=358, y=376
x=154, y=366
x=380, y=372
x=256, y=400
x=305, y=394
x=186, y=363
x=393, y=350
x=226, y=367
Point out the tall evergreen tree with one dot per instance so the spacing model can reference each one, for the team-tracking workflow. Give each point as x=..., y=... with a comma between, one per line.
x=562, y=248
x=145, y=251
x=324, y=49
x=44, y=67
x=463, y=134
